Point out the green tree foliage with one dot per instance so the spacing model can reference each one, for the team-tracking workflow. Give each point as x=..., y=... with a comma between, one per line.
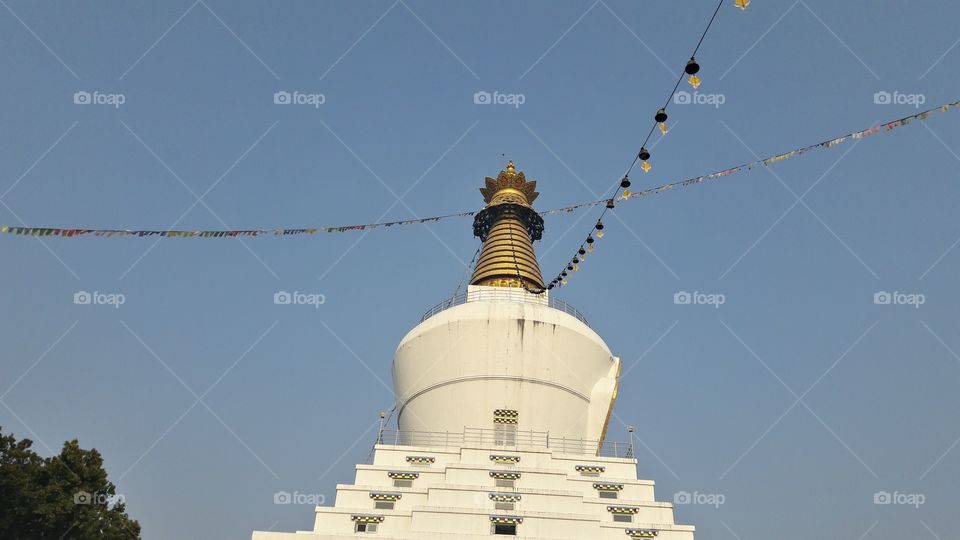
x=66, y=496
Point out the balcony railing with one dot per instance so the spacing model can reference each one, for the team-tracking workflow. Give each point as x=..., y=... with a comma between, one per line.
x=505, y=295
x=491, y=438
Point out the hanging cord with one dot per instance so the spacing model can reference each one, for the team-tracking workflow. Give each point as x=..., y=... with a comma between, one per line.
x=636, y=157
x=386, y=422
x=380, y=435
x=669, y=98
x=469, y=268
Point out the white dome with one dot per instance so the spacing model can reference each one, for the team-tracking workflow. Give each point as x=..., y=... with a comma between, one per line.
x=505, y=349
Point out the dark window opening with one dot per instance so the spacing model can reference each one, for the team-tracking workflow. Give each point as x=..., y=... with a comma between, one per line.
x=366, y=527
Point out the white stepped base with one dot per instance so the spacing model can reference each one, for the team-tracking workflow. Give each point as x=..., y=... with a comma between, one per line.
x=451, y=497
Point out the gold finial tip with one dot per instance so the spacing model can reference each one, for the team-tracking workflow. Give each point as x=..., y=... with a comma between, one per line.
x=508, y=182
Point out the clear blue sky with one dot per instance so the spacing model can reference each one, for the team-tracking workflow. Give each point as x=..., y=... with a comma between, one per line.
x=294, y=391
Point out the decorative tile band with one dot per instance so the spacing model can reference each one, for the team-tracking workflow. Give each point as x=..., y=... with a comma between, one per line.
x=641, y=533
x=385, y=496
x=505, y=416
x=367, y=519
x=507, y=520
x=504, y=497
x=505, y=475
x=596, y=469
x=623, y=509
x=401, y=475
x=606, y=486
x=421, y=459
x=504, y=459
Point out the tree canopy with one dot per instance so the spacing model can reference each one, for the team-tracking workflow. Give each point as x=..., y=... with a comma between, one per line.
x=66, y=496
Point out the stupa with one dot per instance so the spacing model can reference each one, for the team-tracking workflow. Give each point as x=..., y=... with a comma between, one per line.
x=504, y=396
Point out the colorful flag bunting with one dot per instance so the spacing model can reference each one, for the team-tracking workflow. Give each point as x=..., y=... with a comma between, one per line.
x=70, y=233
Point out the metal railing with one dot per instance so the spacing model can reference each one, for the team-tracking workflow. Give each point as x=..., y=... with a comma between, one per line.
x=506, y=295
x=493, y=438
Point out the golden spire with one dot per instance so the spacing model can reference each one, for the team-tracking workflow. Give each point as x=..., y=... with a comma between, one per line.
x=508, y=225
